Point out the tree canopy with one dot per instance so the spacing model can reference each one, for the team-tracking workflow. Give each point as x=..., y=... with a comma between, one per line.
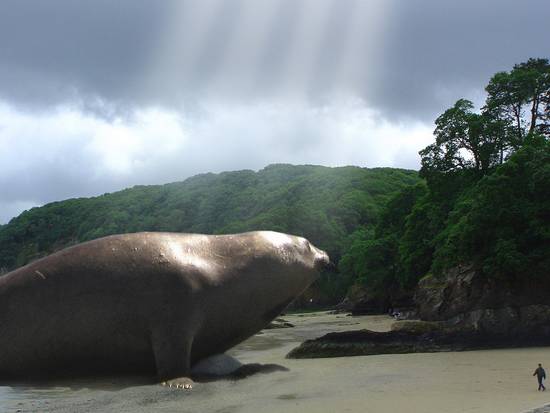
x=487, y=198
x=521, y=98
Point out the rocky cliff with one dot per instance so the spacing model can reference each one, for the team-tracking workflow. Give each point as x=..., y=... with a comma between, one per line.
x=465, y=298
x=462, y=311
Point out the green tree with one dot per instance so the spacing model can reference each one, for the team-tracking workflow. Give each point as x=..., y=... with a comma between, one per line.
x=502, y=224
x=487, y=196
x=373, y=257
x=464, y=140
x=521, y=97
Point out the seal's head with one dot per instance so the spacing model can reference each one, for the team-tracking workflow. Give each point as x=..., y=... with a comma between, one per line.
x=265, y=273
x=293, y=264
x=296, y=252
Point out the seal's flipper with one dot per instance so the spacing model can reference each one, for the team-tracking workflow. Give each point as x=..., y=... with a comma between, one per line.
x=184, y=383
x=172, y=353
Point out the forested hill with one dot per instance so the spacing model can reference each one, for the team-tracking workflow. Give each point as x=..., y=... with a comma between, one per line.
x=484, y=204
x=323, y=204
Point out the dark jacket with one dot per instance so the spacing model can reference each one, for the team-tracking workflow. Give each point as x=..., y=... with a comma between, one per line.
x=540, y=373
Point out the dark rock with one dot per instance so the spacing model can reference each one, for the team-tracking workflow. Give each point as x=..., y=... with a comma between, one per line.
x=278, y=323
x=409, y=313
x=362, y=301
x=416, y=326
x=343, y=306
x=402, y=300
x=463, y=310
x=465, y=298
x=410, y=340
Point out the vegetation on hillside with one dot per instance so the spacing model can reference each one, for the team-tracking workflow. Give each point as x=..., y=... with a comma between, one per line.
x=486, y=197
x=320, y=203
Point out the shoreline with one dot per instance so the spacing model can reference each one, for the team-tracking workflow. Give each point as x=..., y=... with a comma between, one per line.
x=542, y=409
x=485, y=381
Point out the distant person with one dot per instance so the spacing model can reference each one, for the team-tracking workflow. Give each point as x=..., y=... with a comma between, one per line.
x=541, y=375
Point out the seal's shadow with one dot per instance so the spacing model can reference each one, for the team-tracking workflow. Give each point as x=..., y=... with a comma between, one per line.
x=116, y=383
x=243, y=372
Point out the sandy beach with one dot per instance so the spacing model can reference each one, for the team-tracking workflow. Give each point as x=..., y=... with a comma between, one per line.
x=477, y=381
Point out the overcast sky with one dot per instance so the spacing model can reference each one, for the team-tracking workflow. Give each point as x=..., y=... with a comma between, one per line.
x=97, y=96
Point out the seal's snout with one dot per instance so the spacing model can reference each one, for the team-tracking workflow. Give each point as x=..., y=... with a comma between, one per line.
x=330, y=266
x=322, y=260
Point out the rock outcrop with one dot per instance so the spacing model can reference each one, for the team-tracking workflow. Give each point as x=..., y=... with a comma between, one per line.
x=410, y=337
x=278, y=323
x=361, y=301
x=467, y=299
x=462, y=311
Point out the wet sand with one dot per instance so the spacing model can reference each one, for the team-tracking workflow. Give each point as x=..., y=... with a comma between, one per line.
x=476, y=381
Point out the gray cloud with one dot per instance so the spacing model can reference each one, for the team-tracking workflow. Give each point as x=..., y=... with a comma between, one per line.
x=97, y=96
x=409, y=58
x=60, y=50
x=438, y=51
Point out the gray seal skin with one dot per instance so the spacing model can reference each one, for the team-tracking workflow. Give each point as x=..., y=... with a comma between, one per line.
x=148, y=302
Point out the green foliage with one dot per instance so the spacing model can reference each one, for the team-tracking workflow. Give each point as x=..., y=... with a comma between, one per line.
x=521, y=98
x=374, y=257
x=517, y=107
x=322, y=204
x=500, y=223
x=487, y=198
x=503, y=222
x=465, y=140
x=495, y=218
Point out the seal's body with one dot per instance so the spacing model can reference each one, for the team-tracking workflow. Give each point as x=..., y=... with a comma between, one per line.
x=147, y=302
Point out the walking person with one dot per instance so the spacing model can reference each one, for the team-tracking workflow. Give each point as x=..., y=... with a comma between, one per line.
x=541, y=375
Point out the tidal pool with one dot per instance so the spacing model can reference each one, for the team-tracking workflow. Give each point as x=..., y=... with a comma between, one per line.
x=475, y=381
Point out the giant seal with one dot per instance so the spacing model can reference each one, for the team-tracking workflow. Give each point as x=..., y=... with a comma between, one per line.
x=148, y=302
